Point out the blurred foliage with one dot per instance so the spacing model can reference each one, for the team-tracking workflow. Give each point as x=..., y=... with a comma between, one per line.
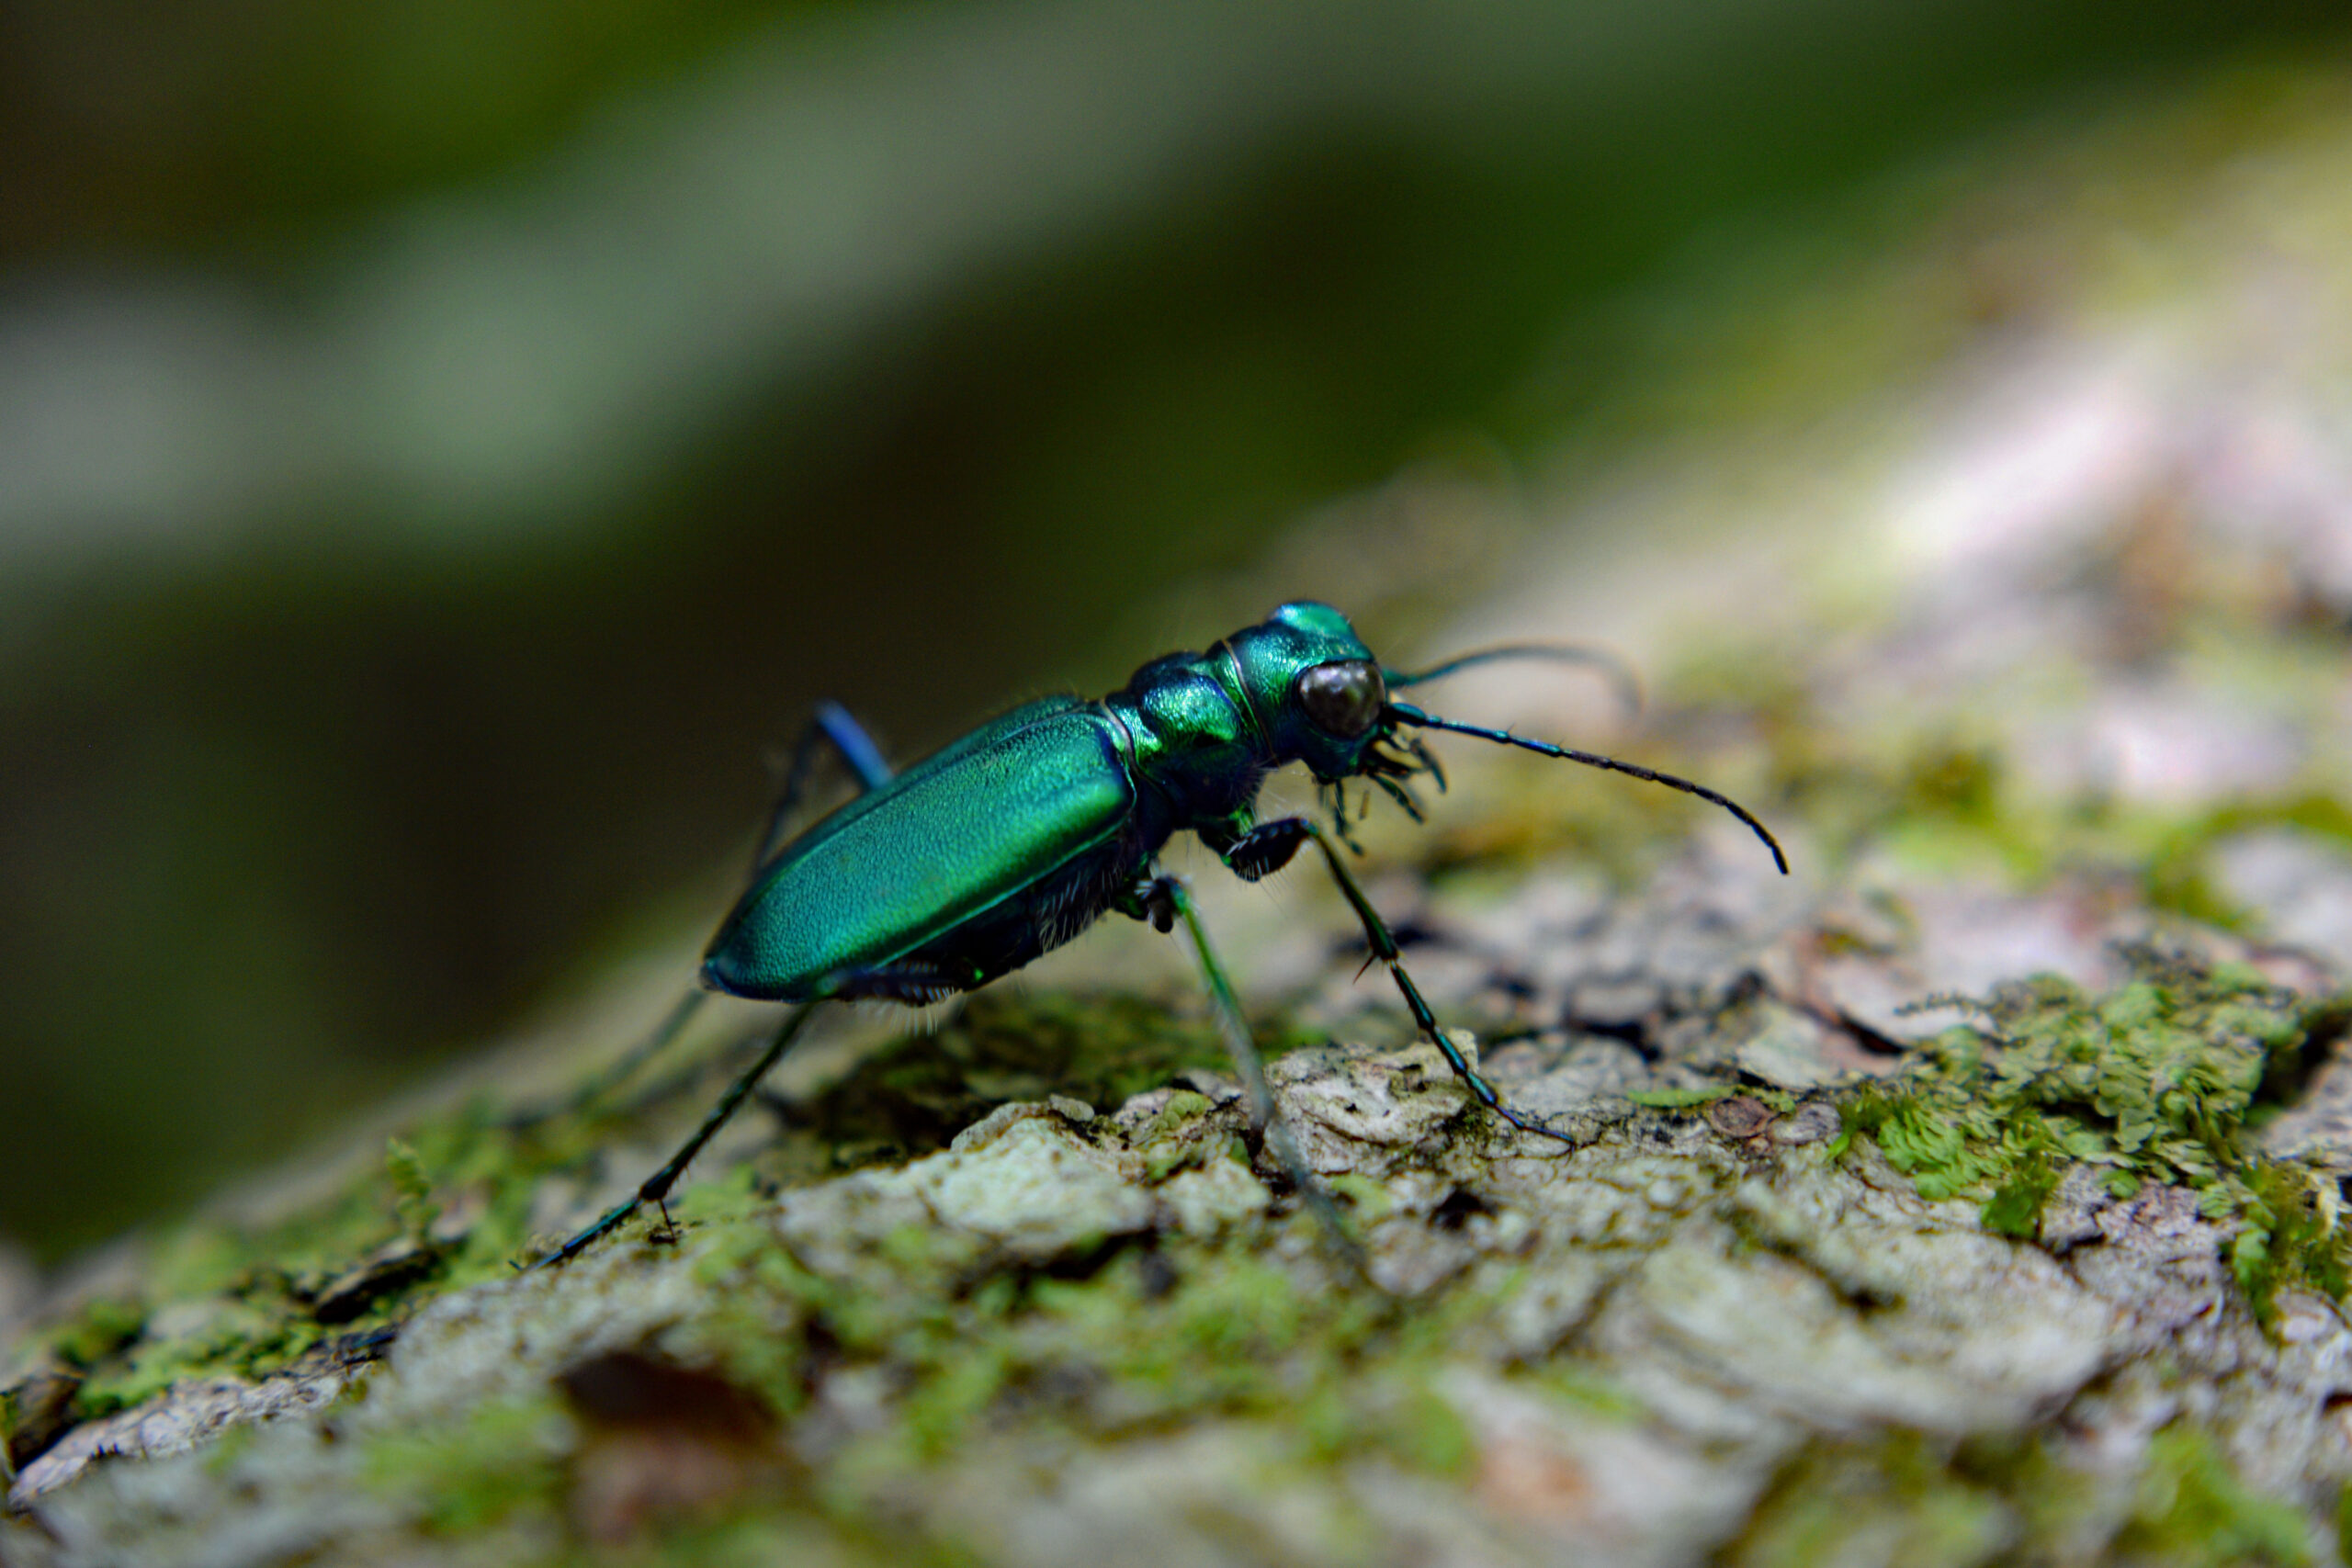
x=200, y=130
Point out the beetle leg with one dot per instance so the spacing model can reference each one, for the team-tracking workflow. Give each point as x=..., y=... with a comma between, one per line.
x=830, y=723
x=1266, y=848
x=1257, y=1098
x=656, y=1187
x=1384, y=948
x=622, y=1068
x=1151, y=900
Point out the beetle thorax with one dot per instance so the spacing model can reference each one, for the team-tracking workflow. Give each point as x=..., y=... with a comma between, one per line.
x=1196, y=743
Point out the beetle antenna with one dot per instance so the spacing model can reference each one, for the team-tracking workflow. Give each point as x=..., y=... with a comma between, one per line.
x=1405, y=713
x=1620, y=675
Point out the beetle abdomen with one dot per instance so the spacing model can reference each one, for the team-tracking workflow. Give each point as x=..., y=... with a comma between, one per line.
x=992, y=817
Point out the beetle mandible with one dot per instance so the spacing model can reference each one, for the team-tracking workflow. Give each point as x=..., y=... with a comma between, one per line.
x=1008, y=841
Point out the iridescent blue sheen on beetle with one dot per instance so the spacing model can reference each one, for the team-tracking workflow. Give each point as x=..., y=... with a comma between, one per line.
x=1014, y=839
x=1010, y=842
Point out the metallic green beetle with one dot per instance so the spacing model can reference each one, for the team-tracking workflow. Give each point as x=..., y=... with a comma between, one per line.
x=1015, y=838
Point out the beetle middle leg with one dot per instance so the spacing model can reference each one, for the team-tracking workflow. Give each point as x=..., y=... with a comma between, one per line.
x=1384, y=949
x=1151, y=900
x=1258, y=1099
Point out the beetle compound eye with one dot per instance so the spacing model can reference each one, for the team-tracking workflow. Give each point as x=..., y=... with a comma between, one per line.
x=1343, y=698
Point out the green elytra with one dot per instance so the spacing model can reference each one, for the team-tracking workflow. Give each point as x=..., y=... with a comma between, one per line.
x=1014, y=839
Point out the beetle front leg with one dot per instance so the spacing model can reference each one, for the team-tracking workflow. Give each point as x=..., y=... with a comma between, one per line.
x=1264, y=849
x=1384, y=948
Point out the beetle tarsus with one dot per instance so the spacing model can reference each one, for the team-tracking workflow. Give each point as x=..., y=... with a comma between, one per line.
x=656, y=1186
x=1383, y=943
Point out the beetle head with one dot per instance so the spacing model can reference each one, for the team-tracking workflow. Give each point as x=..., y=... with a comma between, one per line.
x=1322, y=699
x=1315, y=687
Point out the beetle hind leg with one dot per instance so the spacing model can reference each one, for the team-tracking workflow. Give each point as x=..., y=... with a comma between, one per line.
x=656, y=1187
x=831, y=724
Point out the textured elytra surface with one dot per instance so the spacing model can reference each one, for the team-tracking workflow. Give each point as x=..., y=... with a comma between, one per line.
x=1866, y=1244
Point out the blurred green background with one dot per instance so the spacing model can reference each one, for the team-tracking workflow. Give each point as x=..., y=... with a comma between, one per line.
x=444, y=446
